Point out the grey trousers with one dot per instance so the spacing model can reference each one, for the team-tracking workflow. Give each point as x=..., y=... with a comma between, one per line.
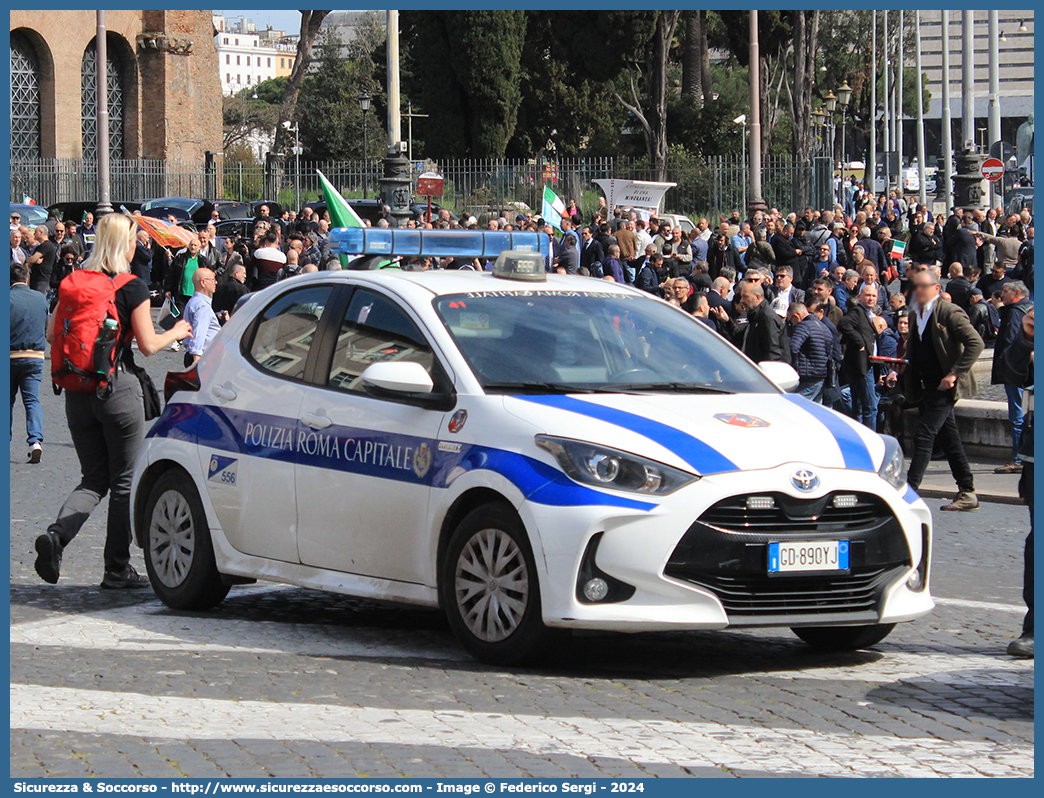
x=107, y=434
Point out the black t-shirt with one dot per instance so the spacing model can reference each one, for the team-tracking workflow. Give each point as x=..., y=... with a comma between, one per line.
x=128, y=297
x=43, y=271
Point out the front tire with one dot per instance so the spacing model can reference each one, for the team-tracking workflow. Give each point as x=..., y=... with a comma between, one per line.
x=489, y=590
x=844, y=638
x=179, y=554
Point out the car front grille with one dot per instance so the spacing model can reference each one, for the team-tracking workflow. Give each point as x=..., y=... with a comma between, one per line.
x=754, y=595
x=726, y=552
x=790, y=515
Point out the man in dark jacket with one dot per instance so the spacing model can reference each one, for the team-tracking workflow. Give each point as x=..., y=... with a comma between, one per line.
x=924, y=245
x=965, y=244
x=942, y=348
x=764, y=337
x=612, y=267
x=811, y=350
x=141, y=263
x=1019, y=363
x=993, y=281
x=860, y=344
x=591, y=253
x=959, y=287
x=783, y=246
x=949, y=234
x=1015, y=297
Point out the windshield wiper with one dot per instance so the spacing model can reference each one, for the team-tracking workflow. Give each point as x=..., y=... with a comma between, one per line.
x=541, y=387
x=675, y=387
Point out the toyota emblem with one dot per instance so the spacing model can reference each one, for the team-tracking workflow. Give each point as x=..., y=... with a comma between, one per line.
x=804, y=480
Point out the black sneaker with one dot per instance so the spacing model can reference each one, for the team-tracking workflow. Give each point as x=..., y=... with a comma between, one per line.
x=48, y=557
x=127, y=579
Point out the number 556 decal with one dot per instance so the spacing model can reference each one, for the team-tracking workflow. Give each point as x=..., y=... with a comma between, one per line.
x=223, y=469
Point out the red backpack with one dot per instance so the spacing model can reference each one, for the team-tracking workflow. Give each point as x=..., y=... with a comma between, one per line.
x=80, y=362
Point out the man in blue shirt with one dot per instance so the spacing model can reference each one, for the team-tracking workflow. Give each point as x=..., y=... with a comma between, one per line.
x=28, y=325
x=743, y=238
x=200, y=314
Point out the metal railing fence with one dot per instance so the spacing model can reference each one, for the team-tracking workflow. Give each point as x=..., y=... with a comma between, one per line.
x=704, y=187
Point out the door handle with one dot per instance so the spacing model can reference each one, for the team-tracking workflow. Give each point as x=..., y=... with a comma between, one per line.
x=315, y=421
x=223, y=393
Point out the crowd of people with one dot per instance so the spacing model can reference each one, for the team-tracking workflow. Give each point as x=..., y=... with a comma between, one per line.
x=876, y=304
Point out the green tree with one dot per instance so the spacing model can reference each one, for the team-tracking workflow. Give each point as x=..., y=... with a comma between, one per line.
x=465, y=70
x=329, y=116
x=573, y=113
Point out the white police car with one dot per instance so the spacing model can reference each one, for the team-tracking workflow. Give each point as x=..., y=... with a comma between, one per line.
x=529, y=452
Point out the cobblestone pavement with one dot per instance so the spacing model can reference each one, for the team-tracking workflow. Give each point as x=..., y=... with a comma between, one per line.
x=281, y=681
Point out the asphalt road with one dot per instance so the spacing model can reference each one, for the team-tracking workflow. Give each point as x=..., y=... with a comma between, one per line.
x=281, y=681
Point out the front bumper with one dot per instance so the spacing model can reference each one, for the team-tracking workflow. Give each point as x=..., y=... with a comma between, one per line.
x=692, y=567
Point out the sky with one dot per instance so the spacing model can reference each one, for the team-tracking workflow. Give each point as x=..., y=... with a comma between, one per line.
x=288, y=21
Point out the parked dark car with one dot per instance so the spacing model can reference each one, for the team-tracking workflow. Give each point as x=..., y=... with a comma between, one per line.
x=76, y=210
x=275, y=210
x=200, y=210
x=32, y=215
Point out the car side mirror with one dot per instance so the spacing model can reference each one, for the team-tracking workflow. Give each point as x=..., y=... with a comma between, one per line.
x=782, y=374
x=401, y=378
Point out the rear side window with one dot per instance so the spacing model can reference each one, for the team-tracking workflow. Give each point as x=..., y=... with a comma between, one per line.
x=374, y=329
x=284, y=332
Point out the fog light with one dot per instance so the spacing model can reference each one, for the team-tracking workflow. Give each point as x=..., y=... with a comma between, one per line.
x=916, y=582
x=596, y=589
x=761, y=503
x=845, y=501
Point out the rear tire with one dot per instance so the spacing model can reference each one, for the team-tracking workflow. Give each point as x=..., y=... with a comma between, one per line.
x=179, y=554
x=489, y=590
x=844, y=638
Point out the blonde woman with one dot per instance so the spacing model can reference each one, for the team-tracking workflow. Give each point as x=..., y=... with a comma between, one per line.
x=107, y=432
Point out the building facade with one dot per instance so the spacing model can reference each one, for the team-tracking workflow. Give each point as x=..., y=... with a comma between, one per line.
x=162, y=76
x=247, y=56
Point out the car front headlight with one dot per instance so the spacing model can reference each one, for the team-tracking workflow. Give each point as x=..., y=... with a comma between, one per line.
x=893, y=468
x=603, y=467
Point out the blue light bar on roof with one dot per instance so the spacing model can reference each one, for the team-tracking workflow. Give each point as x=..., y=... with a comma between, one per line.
x=432, y=243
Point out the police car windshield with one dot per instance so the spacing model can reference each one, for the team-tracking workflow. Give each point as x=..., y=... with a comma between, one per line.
x=590, y=341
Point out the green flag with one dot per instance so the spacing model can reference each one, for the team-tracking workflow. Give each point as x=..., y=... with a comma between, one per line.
x=341, y=213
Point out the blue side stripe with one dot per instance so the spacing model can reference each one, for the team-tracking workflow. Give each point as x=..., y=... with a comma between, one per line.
x=853, y=448
x=284, y=439
x=910, y=496
x=703, y=458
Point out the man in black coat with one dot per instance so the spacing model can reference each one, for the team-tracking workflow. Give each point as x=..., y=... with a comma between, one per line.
x=591, y=253
x=783, y=246
x=965, y=244
x=141, y=263
x=860, y=343
x=959, y=287
x=765, y=335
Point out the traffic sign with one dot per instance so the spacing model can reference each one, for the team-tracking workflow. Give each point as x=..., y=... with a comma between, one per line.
x=993, y=169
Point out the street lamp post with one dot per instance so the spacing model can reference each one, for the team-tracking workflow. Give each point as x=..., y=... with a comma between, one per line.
x=364, y=104
x=830, y=104
x=844, y=95
x=742, y=120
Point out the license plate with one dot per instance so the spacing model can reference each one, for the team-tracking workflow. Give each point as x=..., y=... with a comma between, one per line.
x=799, y=556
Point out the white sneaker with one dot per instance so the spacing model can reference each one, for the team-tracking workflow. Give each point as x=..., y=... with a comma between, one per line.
x=175, y=347
x=35, y=453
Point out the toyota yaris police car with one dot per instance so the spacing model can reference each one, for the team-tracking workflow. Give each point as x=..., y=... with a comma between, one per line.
x=530, y=453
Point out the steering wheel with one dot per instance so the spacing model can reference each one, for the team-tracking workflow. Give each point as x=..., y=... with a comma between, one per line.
x=636, y=371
